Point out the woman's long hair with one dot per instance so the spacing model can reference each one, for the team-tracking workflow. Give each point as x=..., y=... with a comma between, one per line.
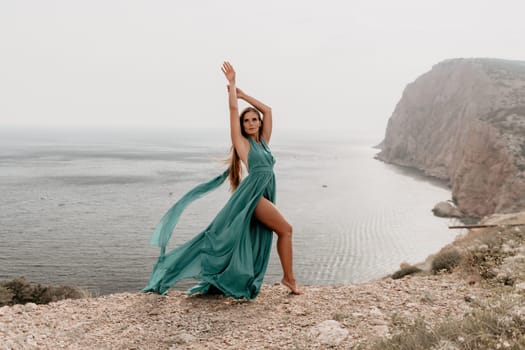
x=235, y=169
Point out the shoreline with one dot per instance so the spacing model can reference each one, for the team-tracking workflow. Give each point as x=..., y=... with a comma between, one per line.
x=354, y=316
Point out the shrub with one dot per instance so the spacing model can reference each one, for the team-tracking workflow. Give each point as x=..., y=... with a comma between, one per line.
x=6, y=296
x=446, y=260
x=19, y=291
x=50, y=294
x=409, y=270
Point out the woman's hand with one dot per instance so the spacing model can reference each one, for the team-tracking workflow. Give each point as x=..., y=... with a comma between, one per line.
x=240, y=93
x=229, y=72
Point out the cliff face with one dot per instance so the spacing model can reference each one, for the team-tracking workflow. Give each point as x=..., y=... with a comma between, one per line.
x=464, y=121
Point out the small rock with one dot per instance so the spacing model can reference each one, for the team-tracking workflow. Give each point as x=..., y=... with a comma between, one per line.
x=4, y=310
x=470, y=298
x=18, y=308
x=7, y=318
x=298, y=311
x=519, y=312
x=375, y=311
x=381, y=330
x=30, y=307
x=506, y=249
x=483, y=248
x=516, y=259
x=329, y=333
x=445, y=345
x=520, y=286
x=183, y=338
x=30, y=340
x=446, y=209
x=377, y=322
x=404, y=265
x=505, y=278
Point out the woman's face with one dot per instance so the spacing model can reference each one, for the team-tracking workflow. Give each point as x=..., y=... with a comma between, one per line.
x=251, y=123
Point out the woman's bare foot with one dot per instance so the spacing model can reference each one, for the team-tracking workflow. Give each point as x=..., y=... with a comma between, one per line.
x=290, y=284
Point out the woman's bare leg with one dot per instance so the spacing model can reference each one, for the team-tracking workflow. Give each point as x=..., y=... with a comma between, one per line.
x=268, y=214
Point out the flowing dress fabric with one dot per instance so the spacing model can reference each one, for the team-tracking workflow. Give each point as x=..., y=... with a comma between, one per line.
x=232, y=253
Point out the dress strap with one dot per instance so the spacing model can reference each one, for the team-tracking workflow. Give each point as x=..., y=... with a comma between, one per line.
x=262, y=142
x=164, y=229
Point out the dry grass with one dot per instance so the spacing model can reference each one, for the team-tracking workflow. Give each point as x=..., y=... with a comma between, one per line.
x=498, y=324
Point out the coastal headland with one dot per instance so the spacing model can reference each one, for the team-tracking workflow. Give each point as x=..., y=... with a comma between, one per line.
x=464, y=122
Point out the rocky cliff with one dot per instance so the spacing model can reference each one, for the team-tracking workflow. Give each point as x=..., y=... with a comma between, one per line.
x=464, y=121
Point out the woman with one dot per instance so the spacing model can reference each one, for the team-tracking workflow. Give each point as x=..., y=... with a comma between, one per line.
x=232, y=253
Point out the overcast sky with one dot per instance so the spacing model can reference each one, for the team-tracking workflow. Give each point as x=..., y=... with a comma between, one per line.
x=320, y=64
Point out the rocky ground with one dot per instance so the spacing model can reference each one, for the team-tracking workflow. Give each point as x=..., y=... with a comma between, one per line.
x=338, y=317
x=275, y=320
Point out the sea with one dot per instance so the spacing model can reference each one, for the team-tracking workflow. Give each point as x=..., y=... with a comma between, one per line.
x=78, y=206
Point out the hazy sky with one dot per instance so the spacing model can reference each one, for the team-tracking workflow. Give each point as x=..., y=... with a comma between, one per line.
x=319, y=64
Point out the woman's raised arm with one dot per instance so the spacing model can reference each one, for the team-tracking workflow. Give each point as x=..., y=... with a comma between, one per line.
x=265, y=110
x=239, y=142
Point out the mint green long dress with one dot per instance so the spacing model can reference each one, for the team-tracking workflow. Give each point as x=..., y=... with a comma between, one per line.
x=232, y=253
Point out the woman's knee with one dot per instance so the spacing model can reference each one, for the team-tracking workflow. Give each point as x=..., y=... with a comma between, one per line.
x=286, y=230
